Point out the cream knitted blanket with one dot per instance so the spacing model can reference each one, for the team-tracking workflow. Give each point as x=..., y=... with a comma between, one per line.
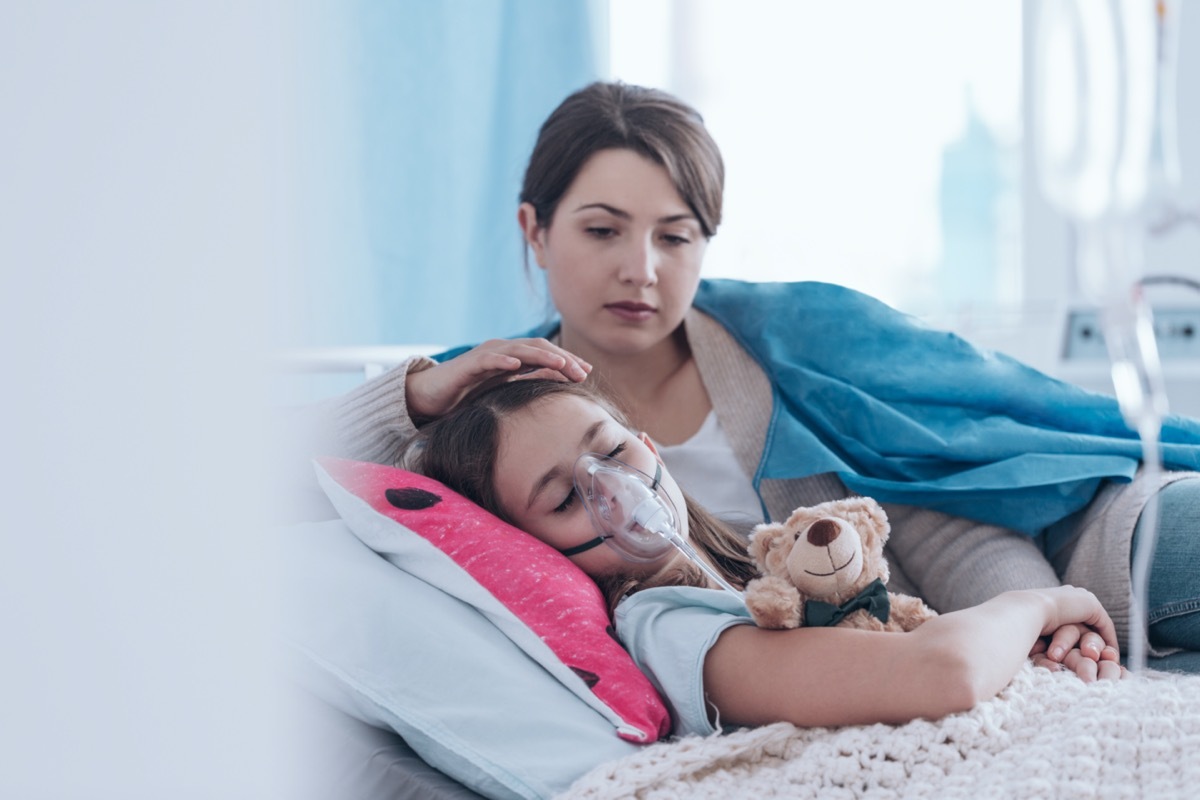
x=1047, y=735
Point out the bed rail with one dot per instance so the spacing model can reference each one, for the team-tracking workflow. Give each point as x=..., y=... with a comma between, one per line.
x=367, y=361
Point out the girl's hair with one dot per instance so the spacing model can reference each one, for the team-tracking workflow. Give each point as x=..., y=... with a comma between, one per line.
x=649, y=122
x=460, y=449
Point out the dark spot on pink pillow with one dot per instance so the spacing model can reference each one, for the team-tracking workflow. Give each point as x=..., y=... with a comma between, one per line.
x=411, y=498
x=590, y=678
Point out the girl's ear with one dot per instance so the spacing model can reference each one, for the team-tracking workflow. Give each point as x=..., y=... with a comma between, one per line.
x=646, y=440
x=534, y=234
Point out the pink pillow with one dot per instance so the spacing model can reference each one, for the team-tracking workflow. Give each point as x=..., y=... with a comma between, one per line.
x=531, y=592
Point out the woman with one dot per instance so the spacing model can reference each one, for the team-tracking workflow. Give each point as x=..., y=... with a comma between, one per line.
x=512, y=449
x=767, y=397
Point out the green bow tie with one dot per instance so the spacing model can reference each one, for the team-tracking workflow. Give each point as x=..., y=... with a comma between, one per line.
x=874, y=599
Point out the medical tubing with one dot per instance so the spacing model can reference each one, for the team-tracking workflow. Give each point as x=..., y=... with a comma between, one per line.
x=1142, y=554
x=691, y=553
x=1165, y=175
x=1141, y=393
x=1107, y=160
x=659, y=522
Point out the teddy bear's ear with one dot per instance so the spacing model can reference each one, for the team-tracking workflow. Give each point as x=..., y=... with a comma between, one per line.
x=804, y=516
x=763, y=538
x=758, y=540
x=865, y=514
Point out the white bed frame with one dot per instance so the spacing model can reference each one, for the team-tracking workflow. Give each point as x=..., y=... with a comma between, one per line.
x=369, y=361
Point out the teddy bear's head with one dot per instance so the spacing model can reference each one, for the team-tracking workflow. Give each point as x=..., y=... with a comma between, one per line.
x=829, y=551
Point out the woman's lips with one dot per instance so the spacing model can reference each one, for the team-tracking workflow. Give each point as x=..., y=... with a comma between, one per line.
x=632, y=312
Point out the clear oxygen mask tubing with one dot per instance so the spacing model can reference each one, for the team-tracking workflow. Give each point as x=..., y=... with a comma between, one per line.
x=632, y=513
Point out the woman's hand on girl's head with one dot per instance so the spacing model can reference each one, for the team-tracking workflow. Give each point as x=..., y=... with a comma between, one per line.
x=436, y=391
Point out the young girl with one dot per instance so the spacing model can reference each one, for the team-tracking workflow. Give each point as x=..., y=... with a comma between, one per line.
x=512, y=449
x=765, y=397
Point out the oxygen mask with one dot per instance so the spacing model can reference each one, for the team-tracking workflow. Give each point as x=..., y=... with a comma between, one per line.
x=628, y=508
x=632, y=513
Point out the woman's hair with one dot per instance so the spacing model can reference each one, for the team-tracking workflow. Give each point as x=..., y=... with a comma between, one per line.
x=460, y=449
x=649, y=122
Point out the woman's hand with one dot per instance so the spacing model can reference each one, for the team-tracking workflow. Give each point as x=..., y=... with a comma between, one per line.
x=1081, y=651
x=1087, y=647
x=433, y=392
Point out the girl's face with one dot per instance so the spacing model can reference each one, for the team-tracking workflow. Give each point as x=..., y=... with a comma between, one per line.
x=622, y=254
x=538, y=449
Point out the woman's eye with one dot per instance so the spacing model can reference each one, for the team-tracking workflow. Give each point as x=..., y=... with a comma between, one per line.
x=600, y=232
x=675, y=241
x=617, y=450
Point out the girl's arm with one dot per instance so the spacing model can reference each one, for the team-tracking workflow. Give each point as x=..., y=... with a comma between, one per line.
x=840, y=676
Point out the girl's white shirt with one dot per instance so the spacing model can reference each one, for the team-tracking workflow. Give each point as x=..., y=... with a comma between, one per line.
x=707, y=469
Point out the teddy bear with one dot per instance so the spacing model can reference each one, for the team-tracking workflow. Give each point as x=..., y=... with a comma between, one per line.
x=825, y=566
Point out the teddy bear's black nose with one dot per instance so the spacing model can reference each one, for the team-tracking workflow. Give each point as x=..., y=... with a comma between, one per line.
x=822, y=532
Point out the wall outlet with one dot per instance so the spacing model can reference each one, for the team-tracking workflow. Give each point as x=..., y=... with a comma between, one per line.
x=1176, y=329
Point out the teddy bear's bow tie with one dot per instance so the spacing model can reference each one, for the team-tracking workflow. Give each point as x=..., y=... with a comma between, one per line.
x=873, y=600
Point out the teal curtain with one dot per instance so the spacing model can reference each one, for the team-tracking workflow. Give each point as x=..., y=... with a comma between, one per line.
x=422, y=116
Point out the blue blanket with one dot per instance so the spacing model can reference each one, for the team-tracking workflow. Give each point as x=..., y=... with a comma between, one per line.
x=908, y=414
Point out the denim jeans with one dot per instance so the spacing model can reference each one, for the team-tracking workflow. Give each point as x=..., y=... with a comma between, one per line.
x=1173, y=601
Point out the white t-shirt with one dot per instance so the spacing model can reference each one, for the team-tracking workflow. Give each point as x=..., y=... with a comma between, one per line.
x=707, y=469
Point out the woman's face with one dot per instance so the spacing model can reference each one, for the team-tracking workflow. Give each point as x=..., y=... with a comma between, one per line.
x=622, y=254
x=539, y=446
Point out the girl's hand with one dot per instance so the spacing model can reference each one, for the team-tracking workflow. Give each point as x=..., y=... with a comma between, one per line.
x=433, y=392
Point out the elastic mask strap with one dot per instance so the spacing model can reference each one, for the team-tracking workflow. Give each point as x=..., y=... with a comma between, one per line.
x=583, y=548
x=657, y=477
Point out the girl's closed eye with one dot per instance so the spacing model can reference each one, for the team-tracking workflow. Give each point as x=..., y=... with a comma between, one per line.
x=601, y=232
x=569, y=500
